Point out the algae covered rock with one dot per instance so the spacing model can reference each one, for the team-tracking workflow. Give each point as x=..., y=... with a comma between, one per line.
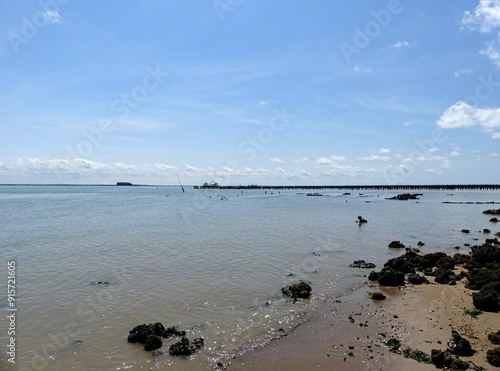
x=299, y=290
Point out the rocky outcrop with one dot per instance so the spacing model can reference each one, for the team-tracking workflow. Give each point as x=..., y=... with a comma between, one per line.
x=405, y=196
x=299, y=290
x=492, y=212
x=362, y=264
x=493, y=357
x=149, y=335
x=184, y=347
x=494, y=337
x=396, y=245
x=459, y=346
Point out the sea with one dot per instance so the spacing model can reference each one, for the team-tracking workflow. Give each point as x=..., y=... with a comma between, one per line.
x=92, y=262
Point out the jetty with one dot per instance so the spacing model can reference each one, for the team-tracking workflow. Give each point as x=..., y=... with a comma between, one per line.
x=380, y=187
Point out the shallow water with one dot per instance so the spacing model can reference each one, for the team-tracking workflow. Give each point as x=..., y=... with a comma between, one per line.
x=213, y=266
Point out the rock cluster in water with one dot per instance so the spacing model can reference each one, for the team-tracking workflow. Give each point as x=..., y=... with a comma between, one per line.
x=405, y=196
x=299, y=290
x=151, y=336
x=362, y=264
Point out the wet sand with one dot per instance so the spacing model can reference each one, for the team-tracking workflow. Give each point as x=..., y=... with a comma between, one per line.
x=350, y=335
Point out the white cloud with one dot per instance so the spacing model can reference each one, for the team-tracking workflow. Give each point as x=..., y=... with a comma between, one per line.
x=52, y=16
x=494, y=154
x=408, y=123
x=465, y=71
x=461, y=115
x=78, y=167
x=276, y=159
x=385, y=150
x=400, y=44
x=455, y=154
x=492, y=51
x=329, y=160
x=375, y=157
x=485, y=17
x=362, y=70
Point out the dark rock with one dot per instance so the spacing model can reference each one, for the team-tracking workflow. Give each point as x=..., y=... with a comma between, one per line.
x=377, y=296
x=362, y=264
x=140, y=334
x=299, y=290
x=444, y=276
x=391, y=277
x=172, y=331
x=152, y=342
x=485, y=256
x=184, y=348
x=416, y=279
x=396, y=245
x=373, y=276
x=488, y=298
x=394, y=345
x=445, y=262
x=459, y=345
x=492, y=212
x=477, y=278
x=492, y=241
x=405, y=196
x=493, y=357
x=417, y=355
x=494, y=220
x=420, y=243
x=444, y=359
x=494, y=337
x=486, y=231
x=465, y=231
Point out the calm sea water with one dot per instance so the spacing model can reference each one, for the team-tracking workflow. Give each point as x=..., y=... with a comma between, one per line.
x=211, y=262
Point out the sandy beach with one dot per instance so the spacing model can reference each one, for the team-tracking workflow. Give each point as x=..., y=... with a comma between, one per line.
x=351, y=333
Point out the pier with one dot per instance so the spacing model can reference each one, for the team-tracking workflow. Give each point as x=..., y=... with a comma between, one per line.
x=412, y=187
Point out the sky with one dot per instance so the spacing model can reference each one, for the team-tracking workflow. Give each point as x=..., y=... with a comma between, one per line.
x=250, y=92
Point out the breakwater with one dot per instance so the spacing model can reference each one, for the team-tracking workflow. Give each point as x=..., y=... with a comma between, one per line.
x=436, y=187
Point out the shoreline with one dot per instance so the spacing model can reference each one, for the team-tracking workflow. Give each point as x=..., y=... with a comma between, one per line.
x=351, y=333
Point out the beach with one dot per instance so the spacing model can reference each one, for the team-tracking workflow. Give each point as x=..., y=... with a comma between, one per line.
x=353, y=333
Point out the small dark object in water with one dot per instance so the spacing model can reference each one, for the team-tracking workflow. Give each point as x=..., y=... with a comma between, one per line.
x=361, y=220
x=396, y=245
x=465, y=231
x=486, y=231
x=405, y=196
x=184, y=348
x=362, y=264
x=299, y=290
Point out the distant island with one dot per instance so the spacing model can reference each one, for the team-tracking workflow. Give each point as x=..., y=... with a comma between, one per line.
x=123, y=183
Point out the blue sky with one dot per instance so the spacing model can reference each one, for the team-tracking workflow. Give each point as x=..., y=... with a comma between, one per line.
x=250, y=91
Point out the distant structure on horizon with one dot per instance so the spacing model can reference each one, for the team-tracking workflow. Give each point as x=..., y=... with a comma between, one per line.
x=123, y=183
x=208, y=185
